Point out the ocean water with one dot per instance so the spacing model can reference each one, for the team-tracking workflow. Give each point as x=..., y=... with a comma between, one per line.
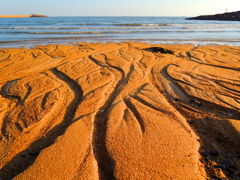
x=28, y=32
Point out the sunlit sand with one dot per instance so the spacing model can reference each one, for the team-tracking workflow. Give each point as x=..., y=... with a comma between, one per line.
x=119, y=111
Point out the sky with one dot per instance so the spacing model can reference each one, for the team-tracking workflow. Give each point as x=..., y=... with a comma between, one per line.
x=117, y=7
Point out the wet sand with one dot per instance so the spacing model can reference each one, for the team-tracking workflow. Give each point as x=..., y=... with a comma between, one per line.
x=120, y=111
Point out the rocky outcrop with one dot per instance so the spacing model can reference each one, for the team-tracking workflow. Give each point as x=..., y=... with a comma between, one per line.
x=38, y=15
x=231, y=16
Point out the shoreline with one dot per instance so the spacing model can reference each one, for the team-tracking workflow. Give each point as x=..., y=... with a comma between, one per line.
x=74, y=40
x=15, y=16
x=120, y=110
x=21, y=16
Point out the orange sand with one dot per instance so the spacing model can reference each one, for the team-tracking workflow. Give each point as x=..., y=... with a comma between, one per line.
x=120, y=111
x=14, y=16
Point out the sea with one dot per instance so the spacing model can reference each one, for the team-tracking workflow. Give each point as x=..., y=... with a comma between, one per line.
x=30, y=32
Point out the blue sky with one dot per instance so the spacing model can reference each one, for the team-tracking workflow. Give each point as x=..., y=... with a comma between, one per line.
x=117, y=7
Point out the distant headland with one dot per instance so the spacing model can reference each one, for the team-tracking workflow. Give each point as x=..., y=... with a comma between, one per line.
x=228, y=16
x=22, y=16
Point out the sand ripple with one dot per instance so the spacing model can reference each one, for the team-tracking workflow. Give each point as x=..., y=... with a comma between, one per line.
x=120, y=111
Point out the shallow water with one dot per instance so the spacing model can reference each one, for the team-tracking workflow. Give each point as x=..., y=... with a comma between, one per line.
x=16, y=32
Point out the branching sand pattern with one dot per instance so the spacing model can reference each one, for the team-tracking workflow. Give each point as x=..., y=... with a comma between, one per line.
x=120, y=111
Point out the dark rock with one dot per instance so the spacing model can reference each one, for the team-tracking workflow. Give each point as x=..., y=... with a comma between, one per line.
x=219, y=166
x=208, y=158
x=176, y=99
x=204, y=154
x=225, y=162
x=228, y=156
x=215, y=152
x=230, y=171
x=231, y=16
x=192, y=100
x=203, y=161
x=159, y=49
x=233, y=167
x=231, y=176
x=199, y=104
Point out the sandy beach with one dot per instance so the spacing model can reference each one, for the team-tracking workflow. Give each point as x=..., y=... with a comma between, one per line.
x=14, y=16
x=120, y=111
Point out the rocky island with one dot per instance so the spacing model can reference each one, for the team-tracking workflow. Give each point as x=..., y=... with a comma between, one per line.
x=37, y=15
x=228, y=16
